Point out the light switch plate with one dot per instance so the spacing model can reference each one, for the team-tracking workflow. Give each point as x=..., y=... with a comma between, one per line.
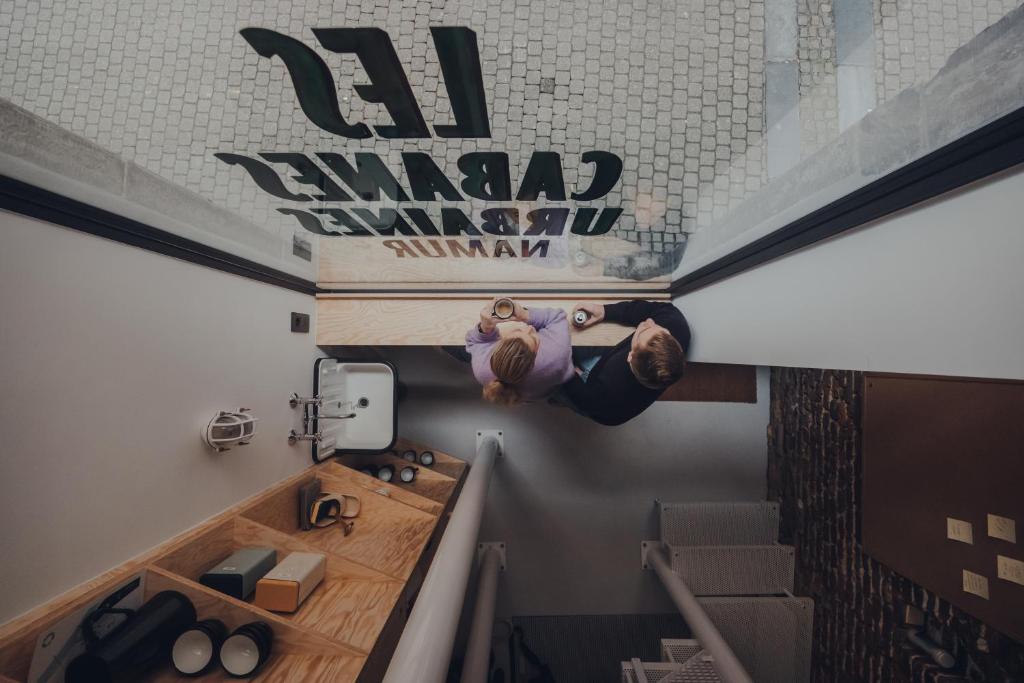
x=300, y=322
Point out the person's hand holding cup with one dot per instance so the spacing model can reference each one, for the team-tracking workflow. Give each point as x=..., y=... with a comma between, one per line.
x=487, y=319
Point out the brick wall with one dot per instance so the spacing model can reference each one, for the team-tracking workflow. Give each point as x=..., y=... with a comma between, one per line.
x=814, y=465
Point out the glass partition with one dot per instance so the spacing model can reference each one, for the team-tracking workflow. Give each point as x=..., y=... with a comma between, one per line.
x=600, y=144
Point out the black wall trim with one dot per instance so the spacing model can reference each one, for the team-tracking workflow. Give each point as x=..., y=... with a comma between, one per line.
x=988, y=150
x=33, y=201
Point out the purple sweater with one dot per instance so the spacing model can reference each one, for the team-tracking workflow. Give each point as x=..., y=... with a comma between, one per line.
x=553, y=366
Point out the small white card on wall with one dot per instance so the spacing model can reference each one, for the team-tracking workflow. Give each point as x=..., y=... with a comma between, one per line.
x=959, y=530
x=1010, y=569
x=975, y=584
x=1002, y=528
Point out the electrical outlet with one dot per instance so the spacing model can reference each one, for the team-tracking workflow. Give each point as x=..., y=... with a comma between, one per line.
x=300, y=322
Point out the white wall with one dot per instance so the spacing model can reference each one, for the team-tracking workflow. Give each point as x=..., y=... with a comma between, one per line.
x=573, y=499
x=937, y=289
x=113, y=359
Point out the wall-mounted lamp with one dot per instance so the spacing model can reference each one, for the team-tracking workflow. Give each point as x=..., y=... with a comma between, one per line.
x=230, y=428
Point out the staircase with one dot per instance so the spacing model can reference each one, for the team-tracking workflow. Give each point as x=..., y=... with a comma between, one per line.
x=729, y=557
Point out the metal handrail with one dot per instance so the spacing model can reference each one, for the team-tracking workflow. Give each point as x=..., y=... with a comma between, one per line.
x=729, y=669
x=425, y=649
x=478, y=651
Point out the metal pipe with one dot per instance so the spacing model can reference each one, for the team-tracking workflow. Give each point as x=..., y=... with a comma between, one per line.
x=425, y=649
x=728, y=667
x=478, y=651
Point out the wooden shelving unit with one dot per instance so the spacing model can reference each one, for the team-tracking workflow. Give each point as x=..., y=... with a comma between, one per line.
x=345, y=630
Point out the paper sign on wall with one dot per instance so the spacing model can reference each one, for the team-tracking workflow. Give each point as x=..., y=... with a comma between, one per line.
x=976, y=584
x=1010, y=569
x=959, y=530
x=1002, y=528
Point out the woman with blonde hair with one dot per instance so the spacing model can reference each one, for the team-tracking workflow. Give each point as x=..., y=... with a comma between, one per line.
x=520, y=363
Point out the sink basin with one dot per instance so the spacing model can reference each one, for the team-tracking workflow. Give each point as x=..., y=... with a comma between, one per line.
x=357, y=412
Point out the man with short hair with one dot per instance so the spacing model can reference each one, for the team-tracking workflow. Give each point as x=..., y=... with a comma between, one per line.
x=612, y=386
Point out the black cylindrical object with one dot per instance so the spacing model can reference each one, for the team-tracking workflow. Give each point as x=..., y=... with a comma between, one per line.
x=409, y=455
x=427, y=458
x=407, y=474
x=246, y=649
x=385, y=472
x=197, y=649
x=139, y=644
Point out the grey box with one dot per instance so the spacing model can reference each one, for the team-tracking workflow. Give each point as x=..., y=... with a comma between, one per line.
x=237, y=575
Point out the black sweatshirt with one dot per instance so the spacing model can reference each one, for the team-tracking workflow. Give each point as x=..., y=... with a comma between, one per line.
x=612, y=395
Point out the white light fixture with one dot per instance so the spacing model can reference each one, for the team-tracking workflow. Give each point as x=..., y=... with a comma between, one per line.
x=230, y=428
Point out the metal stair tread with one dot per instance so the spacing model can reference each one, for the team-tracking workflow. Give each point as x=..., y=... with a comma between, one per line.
x=771, y=636
x=697, y=670
x=735, y=569
x=718, y=523
x=679, y=650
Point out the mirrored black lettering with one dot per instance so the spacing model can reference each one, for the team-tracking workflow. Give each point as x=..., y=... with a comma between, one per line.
x=368, y=179
x=544, y=174
x=460, y=64
x=341, y=218
x=266, y=177
x=314, y=85
x=426, y=179
x=580, y=226
x=422, y=221
x=607, y=169
x=503, y=248
x=500, y=221
x=486, y=176
x=308, y=221
x=475, y=248
x=547, y=221
x=388, y=84
x=456, y=222
x=309, y=174
x=386, y=222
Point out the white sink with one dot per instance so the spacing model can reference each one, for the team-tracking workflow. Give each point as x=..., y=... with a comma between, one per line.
x=357, y=413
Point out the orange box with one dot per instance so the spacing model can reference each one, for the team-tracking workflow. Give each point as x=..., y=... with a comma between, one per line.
x=288, y=584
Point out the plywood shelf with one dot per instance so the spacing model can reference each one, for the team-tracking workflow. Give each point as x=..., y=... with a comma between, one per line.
x=428, y=484
x=388, y=535
x=446, y=464
x=210, y=604
x=344, y=631
x=341, y=476
x=350, y=606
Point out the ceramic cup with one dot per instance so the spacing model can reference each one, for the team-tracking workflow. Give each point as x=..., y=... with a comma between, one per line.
x=195, y=650
x=246, y=649
x=503, y=309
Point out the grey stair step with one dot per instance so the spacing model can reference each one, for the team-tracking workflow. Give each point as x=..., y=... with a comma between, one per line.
x=699, y=669
x=770, y=636
x=754, y=523
x=678, y=650
x=735, y=569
